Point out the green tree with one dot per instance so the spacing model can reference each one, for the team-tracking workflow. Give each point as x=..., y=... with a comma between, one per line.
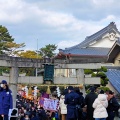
x=102, y=75
x=48, y=50
x=29, y=54
x=7, y=44
x=14, y=48
x=88, y=71
x=4, y=70
x=28, y=71
x=4, y=38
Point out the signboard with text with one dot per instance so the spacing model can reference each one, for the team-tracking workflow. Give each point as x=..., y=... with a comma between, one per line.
x=51, y=104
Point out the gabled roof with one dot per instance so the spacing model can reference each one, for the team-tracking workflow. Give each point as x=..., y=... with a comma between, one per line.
x=114, y=78
x=95, y=37
x=98, y=35
x=83, y=50
x=114, y=51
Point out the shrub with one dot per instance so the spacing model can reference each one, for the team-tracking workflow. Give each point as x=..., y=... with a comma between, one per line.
x=88, y=71
x=102, y=81
x=104, y=88
x=101, y=74
x=106, y=79
x=104, y=69
x=93, y=75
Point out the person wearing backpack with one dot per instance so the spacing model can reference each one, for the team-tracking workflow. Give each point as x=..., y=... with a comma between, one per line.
x=113, y=106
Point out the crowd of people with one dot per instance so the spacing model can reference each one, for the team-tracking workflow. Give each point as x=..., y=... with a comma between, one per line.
x=31, y=110
x=100, y=105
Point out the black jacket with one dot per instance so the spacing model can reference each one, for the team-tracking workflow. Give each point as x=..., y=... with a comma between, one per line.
x=89, y=99
x=113, y=105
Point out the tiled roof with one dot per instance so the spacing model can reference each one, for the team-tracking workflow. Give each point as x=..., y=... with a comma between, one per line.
x=88, y=51
x=114, y=78
x=96, y=36
x=84, y=47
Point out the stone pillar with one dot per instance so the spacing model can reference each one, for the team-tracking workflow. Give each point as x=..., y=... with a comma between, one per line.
x=13, y=83
x=81, y=79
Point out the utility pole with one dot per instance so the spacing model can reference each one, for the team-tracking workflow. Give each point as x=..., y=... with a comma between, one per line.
x=37, y=60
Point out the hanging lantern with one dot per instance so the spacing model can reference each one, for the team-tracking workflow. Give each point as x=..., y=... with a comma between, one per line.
x=48, y=90
x=81, y=86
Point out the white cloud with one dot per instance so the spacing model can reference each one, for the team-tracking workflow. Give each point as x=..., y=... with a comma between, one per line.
x=19, y=11
x=66, y=44
x=11, y=11
x=49, y=24
x=109, y=18
x=103, y=2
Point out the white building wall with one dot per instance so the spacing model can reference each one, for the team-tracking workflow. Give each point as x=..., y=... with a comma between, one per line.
x=104, y=43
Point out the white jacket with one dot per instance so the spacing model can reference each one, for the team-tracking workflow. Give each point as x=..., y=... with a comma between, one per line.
x=100, y=104
x=62, y=105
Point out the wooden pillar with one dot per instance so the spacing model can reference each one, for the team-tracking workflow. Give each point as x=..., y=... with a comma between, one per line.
x=13, y=83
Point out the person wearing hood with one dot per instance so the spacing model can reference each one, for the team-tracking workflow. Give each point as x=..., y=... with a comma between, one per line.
x=6, y=101
x=100, y=104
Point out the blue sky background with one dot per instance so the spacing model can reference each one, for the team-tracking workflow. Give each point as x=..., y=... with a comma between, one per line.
x=61, y=22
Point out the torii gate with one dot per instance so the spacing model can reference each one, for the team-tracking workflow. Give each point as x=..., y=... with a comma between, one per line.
x=16, y=62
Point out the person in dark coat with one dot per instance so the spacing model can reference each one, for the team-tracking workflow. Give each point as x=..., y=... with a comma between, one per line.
x=71, y=100
x=89, y=99
x=113, y=106
x=34, y=117
x=6, y=101
x=81, y=103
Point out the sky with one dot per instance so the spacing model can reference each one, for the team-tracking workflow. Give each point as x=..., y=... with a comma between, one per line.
x=61, y=22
